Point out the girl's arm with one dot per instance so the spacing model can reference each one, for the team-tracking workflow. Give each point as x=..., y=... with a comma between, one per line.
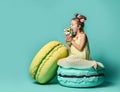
x=82, y=43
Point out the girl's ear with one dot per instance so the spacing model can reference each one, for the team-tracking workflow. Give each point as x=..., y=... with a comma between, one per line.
x=79, y=26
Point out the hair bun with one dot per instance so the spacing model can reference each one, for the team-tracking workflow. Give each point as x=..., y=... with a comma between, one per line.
x=82, y=18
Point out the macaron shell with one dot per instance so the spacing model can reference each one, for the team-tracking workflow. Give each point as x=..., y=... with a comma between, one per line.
x=79, y=72
x=85, y=82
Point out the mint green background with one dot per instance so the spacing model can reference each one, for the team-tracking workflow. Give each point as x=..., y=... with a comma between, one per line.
x=27, y=25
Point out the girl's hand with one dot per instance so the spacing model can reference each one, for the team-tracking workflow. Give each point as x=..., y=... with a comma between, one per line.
x=68, y=38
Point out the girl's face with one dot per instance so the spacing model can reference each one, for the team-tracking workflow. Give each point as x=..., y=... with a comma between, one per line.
x=74, y=26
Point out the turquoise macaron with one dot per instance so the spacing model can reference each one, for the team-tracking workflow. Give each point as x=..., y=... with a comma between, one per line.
x=80, y=73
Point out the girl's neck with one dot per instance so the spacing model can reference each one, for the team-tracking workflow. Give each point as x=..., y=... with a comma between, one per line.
x=79, y=31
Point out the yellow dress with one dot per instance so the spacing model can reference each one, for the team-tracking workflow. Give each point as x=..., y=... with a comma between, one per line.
x=84, y=54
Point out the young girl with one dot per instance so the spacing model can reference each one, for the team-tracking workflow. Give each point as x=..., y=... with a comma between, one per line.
x=79, y=43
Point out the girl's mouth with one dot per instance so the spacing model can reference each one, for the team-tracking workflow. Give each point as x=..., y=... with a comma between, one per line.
x=74, y=34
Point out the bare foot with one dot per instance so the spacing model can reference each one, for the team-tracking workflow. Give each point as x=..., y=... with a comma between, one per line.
x=95, y=66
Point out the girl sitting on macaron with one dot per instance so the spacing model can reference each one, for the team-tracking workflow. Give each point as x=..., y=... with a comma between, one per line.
x=79, y=43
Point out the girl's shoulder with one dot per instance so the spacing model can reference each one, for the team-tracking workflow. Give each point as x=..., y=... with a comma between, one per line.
x=82, y=34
